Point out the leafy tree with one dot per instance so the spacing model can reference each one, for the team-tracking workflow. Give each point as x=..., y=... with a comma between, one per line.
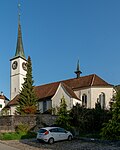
x=63, y=119
x=78, y=117
x=100, y=116
x=88, y=120
x=111, y=130
x=27, y=98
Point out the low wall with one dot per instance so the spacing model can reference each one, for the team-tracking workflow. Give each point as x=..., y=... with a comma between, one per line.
x=8, y=123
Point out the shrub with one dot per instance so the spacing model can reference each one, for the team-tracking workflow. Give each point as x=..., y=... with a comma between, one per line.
x=24, y=128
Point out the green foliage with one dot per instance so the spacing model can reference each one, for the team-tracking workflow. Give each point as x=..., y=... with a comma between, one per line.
x=78, y=117
x=22, y=128
x=5, y=112
x=16, y=135
x=10, y=136
x=27, y=98
x=63, y=119
x=111, y=130
x=88, y=120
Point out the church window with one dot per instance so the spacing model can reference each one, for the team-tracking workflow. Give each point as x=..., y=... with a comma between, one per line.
x=102, y=100
x=15, y=89
x=44, y=106
x=84, y=100
x=0, y=105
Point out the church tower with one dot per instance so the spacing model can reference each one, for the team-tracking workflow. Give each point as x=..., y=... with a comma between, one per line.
x=18, y=64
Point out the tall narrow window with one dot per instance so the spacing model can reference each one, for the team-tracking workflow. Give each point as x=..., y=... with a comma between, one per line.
x=102, y=100
x=44, y=106
x=84, y=100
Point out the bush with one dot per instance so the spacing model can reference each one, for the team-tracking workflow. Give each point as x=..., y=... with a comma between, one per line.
x=111, y=130
x=24, y=128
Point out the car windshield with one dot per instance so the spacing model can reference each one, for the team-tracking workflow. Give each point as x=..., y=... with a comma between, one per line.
x=42, y=131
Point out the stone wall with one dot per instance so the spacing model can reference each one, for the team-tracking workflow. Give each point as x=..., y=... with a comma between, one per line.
x=9, y=123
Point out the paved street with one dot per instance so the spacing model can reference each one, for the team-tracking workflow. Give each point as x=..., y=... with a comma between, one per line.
x=33, y=144
x=6, y=147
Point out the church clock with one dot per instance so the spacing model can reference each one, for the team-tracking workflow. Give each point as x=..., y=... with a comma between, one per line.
x=24, y=66
x=14, y=65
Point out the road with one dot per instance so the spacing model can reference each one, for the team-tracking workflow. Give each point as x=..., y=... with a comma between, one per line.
x=33, y=144
x=6, y=147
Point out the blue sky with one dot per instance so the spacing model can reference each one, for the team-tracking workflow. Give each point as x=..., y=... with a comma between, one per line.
x=56, y=33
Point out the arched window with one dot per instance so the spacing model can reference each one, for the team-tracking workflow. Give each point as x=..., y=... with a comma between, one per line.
x=84, y=100
x=102, y=100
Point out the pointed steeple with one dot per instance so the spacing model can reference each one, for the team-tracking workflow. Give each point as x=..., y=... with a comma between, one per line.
x=19, y=47
x=78, y=72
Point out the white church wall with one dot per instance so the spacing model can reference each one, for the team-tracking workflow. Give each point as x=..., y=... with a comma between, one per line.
x=95, y=92
x=56, y=99
x=17, y=76
x=14, y=86
x=87, y=92
x=93, y=95
x=40, y=107
x=75, y=101
x=13, y=110
x=48, y=105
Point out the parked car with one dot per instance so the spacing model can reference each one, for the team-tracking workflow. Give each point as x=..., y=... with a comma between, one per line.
x=52, y=134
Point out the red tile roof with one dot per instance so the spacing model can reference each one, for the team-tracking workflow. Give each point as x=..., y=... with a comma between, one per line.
x=2, y=97
x=69, y=91
x=48, y=90
x=14, y=101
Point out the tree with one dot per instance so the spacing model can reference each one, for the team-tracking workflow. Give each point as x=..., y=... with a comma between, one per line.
x=78, y=117
x=63, y=119
x=88, y=120
x=27, y=98
x=111, y=130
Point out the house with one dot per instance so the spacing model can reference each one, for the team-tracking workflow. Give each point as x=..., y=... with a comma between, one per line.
x=3, y=101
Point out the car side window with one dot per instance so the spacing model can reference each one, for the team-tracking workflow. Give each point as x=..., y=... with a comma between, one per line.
x=53, y=130
x=61, y=130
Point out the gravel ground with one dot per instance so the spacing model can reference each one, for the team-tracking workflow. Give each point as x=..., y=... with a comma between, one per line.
x=33, y=144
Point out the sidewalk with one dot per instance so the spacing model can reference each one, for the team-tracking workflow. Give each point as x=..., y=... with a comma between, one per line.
x=6, y=147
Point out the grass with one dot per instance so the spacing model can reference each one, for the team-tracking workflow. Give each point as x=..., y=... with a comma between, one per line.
x=17, y=135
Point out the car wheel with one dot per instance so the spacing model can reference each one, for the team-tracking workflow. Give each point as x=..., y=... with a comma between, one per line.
x=69, y=138
x=51, y=141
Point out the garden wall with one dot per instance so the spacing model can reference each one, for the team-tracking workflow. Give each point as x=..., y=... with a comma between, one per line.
x=9, y=123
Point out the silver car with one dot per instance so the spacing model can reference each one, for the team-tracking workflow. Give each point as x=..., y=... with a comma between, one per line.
x=52, y=134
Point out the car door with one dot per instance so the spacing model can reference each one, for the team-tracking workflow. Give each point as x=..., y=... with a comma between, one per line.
x=62, y=134
x=54, y=133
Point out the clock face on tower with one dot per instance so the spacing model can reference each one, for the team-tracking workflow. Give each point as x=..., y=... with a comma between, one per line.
x=24, y=66
x=14, y=65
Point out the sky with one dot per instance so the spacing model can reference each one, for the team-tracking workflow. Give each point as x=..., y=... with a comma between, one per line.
x=58, y=33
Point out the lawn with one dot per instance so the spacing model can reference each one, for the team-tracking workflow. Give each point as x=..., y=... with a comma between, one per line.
x=17, y=135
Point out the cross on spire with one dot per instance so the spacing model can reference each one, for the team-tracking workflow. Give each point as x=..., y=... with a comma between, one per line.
x=19, y=11
x=19, y=47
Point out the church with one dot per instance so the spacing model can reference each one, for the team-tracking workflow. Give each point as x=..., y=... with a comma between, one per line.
x=85, y=90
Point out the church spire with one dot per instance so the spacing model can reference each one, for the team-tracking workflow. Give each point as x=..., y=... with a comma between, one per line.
x=78, y=72
x=19, y=47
